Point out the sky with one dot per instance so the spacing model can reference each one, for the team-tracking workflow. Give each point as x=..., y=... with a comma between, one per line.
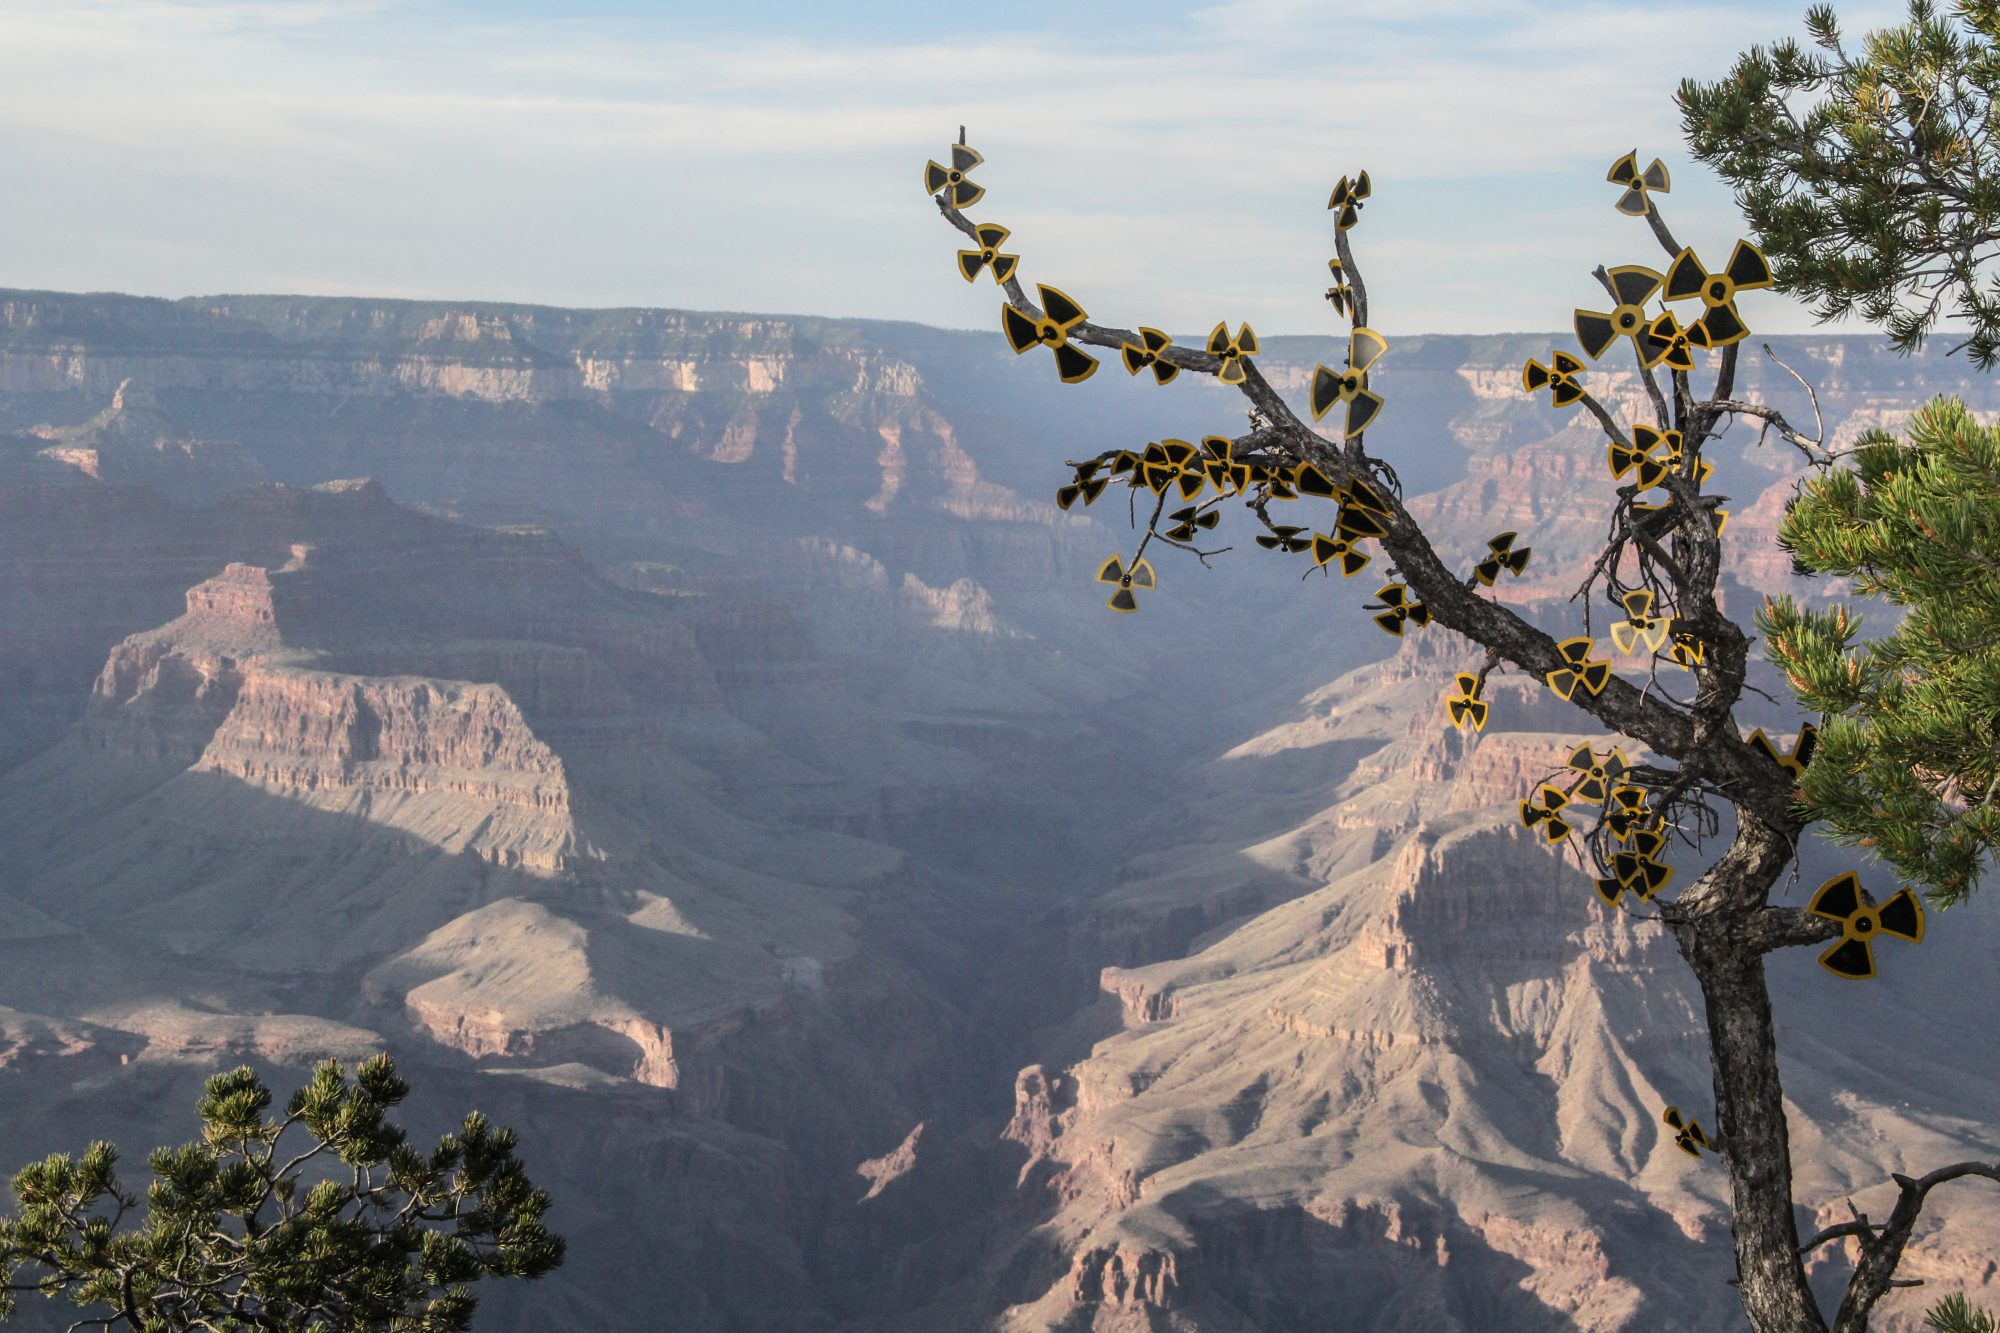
x=1166, y=163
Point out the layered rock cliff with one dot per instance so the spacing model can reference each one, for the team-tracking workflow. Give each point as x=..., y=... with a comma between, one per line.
x=1423, y=1090
x=760, y=785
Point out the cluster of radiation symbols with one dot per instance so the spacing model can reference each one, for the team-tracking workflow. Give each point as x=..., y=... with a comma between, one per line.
x=1201, y=477
x=1644, y=459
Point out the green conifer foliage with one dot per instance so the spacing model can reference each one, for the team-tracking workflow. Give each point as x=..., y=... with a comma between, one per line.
x=1909, y=758
x=1954, y=1314
x=322, y=1218
x=1870, y=175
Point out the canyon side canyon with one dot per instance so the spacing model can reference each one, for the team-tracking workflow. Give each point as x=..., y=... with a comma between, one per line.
x=696, y=740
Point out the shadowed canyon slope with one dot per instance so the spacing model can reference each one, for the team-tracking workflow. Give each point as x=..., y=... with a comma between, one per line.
x=697, y=742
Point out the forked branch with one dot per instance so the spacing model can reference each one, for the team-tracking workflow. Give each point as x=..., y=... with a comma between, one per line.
x=1882, y=1247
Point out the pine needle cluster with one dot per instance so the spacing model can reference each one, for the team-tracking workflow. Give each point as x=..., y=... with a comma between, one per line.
x=322, y=1218
x=1871, y=176
x=1909, y=756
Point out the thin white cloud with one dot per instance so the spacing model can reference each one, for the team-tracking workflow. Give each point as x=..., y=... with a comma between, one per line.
x=1177, y=173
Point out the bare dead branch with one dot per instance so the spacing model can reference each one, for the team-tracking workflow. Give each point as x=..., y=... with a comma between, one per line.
x=1860, y=1226
x=1874, y=1274
x=1345, y=251
x=1660, y=232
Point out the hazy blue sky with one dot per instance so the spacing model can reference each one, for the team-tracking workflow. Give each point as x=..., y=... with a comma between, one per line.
x=1166, y=162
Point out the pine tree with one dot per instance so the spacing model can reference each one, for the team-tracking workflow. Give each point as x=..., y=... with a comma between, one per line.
x=321, y=1218
x=1659, y=571
x=1871, y=177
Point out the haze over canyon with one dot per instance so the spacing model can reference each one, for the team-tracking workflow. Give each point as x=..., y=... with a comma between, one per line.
x=696, y=740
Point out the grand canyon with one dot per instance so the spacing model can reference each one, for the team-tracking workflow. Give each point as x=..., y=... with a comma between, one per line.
x=697, y=741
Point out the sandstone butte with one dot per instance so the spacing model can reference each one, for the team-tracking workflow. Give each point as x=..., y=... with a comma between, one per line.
x=698, y=744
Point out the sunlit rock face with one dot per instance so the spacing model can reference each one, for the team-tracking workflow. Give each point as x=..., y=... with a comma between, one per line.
x=700, y=744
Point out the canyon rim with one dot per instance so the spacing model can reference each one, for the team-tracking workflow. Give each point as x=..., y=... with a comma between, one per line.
x=695, y=740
